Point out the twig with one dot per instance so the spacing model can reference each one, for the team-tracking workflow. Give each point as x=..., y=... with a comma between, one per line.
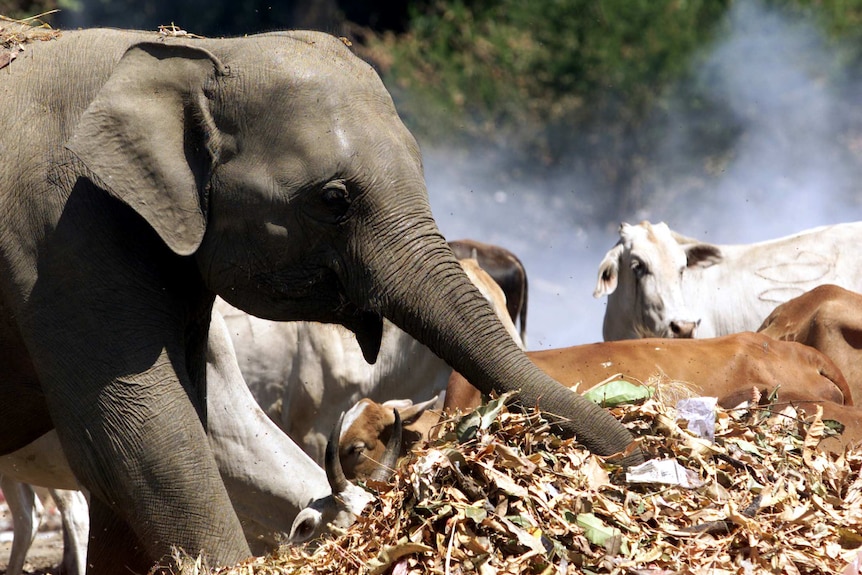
x=24, y=20
x=449, y=547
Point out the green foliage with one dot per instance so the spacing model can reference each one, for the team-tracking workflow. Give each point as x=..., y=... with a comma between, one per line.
x=589, y=86
x=840, y=19
x=20, y=9
x=619, y=392
x=487, y=65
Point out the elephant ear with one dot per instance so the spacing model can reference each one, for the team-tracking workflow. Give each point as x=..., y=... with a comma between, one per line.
x=150, y=138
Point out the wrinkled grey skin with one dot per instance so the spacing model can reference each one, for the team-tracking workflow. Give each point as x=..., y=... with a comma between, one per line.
x=142, y=176
x=269, y=479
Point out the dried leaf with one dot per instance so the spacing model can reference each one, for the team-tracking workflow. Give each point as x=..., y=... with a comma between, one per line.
x=7, y=57
x=481, y=418
x=596, y=531
x=597, y=476
x=392, y=553
x=504, y=482
x=513, y=460
x=813, y=437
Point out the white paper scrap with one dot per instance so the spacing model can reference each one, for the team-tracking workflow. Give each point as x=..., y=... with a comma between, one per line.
x=699, y=412
x=664, y=471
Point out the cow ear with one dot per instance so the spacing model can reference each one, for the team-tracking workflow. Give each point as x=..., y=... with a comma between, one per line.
x=413, y=412
x=702, y=255
x=609, y=271
x=399, y=404
x=149, y=139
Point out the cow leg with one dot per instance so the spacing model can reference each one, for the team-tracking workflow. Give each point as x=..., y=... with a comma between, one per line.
x=26, y=516
x=75, y=513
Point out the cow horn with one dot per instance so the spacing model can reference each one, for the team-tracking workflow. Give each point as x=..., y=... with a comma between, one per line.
x=384, y=472
x=332, y=462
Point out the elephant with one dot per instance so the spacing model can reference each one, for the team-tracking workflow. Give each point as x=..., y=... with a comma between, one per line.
x=143, y=175
x=268, y=477
x=506, y=269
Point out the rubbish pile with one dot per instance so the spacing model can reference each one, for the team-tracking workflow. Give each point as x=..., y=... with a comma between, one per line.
x=501, y=493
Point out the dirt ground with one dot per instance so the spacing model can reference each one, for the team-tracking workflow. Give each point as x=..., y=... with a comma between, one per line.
x=47, y=550
x=44, y=556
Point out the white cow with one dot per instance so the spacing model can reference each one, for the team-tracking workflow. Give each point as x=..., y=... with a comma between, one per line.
x=662, y=284
x=305, y=374
x=268, y=477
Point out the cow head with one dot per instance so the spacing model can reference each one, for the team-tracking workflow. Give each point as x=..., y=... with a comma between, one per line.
x=642, y=275
x=340, y=509
x=369, y=426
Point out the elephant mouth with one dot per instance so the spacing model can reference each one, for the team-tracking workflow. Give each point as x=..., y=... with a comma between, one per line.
x=368, y=329
x=366, y=325
x=323, y=299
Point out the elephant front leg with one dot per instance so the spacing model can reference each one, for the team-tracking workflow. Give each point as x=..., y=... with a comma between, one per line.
x=26, y=516
x=115, y=325
x=114, y=546
x=137, y=443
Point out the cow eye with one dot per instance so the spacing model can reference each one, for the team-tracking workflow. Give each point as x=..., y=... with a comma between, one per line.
x=356, y=448
x=638, y=268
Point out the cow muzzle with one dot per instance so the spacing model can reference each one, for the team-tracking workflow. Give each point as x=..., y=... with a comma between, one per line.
x=684, y=329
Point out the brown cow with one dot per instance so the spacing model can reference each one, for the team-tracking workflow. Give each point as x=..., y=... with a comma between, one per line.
x=367, y=431
x=728, y=368
x=828, y=318
x=724, y=367
x=506, y=269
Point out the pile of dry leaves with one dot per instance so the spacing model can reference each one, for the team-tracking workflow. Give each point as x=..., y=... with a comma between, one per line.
x=501, y=493
x=14, y=34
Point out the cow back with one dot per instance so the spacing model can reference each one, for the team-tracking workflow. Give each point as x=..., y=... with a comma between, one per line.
x=728, y=368
x=828, y=318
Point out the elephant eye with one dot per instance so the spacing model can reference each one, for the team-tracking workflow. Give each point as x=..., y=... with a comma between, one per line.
x=336, y=198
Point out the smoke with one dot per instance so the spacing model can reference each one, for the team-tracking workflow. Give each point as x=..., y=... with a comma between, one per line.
x=537, y=222
x=792, y=166
x=773, y=82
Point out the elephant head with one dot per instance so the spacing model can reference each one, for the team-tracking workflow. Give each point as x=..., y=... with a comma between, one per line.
x=282, y=166
x=271, y=170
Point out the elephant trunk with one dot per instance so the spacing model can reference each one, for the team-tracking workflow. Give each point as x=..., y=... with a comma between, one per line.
x=422, y=289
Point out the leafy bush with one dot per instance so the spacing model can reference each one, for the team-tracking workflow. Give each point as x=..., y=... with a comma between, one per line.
x=496, y=65
x=19, y=9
